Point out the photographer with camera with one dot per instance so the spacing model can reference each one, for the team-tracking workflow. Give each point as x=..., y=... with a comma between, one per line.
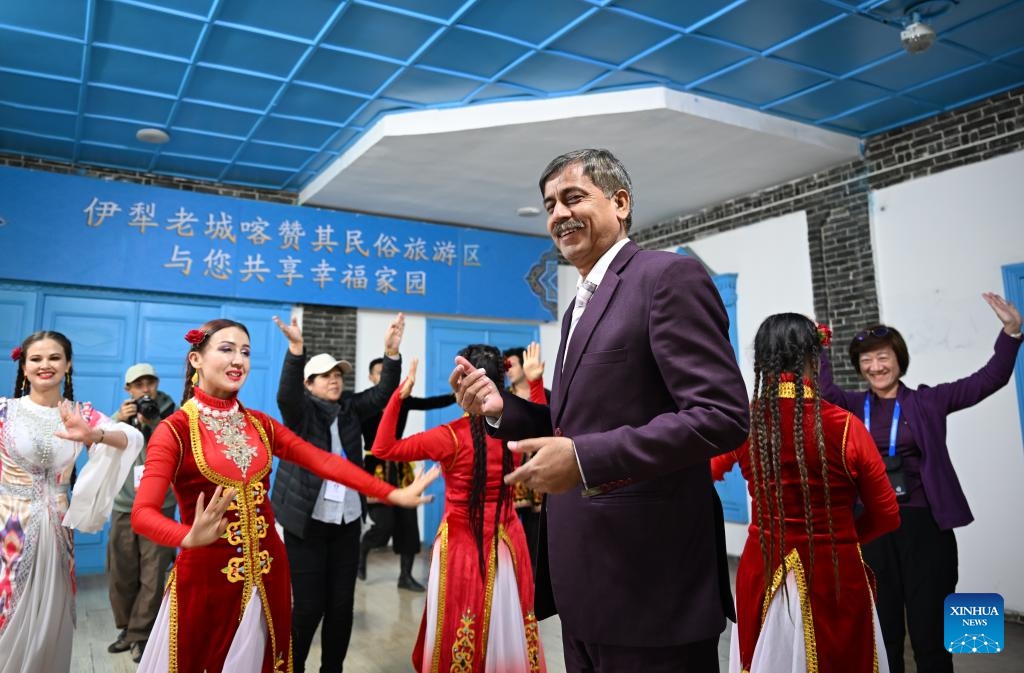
x=137, y=566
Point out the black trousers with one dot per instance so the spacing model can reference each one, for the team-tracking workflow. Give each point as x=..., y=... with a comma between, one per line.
x=398, y=523
x=916, y=567
x=584, y=657
x=323, y=568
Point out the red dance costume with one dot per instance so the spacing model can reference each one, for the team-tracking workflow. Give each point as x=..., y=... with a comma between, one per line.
x=470, y=623
x=194, y=450
x=838, y=627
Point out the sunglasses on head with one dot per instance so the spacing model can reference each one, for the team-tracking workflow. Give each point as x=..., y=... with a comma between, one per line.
x=877, y=332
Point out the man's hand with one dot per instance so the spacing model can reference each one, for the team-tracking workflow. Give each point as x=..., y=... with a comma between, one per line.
x=474, y=391
x=551, y=469
x=293, y=333
x=410, y=380
x=127, y=411
x=393, y=335
x=533, y=368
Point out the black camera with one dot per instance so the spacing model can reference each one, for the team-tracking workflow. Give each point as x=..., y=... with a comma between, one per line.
x=148, y=407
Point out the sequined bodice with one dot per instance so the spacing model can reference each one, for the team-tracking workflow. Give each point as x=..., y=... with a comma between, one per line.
x=32, y=457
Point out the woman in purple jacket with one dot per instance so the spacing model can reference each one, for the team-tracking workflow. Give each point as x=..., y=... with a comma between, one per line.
x=916, y=565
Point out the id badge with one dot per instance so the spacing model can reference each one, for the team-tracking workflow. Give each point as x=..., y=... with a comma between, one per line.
x=894, y=470
x=138, y=474
x=334, y=491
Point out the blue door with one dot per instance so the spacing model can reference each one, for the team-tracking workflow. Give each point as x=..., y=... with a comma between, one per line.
x=445, y=338
x=17, y=318
x=1013, y=280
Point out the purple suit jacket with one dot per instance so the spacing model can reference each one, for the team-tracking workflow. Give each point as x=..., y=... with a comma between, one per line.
x=925, y=410
x=649, y=392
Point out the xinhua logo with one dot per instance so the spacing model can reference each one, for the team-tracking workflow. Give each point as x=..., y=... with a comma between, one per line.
x=973, y=623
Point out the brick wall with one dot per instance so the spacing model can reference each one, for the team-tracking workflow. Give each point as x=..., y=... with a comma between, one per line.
x=836, y=203
x=331, y=329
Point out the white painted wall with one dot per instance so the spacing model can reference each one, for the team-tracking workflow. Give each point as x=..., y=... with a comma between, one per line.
x=939, y=242
x=773, y=263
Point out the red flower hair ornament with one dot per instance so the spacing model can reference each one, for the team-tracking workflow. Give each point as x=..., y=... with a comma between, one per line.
x=824, y=334
x=16, y=353
x=507, y=364
x=195, y=336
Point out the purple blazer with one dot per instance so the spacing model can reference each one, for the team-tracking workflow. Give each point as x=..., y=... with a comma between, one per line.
x=925, y=410
x=649, y=392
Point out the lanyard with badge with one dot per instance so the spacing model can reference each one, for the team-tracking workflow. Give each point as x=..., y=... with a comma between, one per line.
x=893, y=462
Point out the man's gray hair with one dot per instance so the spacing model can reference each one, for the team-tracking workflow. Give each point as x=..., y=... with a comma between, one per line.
x=601, y=167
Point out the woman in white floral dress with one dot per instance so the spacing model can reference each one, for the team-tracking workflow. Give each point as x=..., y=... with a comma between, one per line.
x=41, y=433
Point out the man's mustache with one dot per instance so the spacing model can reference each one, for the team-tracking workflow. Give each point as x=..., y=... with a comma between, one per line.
x=564, y=227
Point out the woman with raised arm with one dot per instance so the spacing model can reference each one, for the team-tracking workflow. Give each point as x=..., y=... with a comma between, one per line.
x=803, y=595
x=42, y=431
x=227, y=606
x=479, y=611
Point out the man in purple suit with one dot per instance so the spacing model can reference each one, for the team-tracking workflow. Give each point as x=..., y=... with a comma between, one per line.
x=646, y=390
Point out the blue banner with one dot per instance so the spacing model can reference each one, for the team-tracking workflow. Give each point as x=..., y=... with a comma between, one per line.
x=84, y=231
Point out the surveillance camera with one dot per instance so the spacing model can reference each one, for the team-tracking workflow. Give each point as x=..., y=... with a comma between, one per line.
x=917, y=37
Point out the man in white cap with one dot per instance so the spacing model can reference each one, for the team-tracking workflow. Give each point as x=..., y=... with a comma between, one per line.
x=322, y=520
x=137, y=566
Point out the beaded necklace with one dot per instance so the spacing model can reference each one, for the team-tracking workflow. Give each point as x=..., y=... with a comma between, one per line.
x=228, y=428
x=42, y=426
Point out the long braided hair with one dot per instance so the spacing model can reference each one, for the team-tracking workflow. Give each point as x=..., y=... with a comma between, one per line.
x=21, y=384
x=786, y=344
x=208, y=328
x=488, y=358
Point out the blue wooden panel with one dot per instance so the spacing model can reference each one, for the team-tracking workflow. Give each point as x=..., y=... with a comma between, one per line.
x=102, y=334
x=445, y=338
x=17, y=320
x=1013, y=281
x=268, y=347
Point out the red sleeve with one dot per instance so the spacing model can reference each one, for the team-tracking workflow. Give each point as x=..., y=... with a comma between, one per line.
x=438, y=443
x=722, y=464
x=864, y=464
x=162, y=456
x=537, y=394
x=289, y=446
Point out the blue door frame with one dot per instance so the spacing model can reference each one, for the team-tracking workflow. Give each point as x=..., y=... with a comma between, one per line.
x=1013, y=282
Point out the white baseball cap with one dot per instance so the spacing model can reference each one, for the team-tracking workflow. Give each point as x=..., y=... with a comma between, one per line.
x=323, y=363
x=137, y=371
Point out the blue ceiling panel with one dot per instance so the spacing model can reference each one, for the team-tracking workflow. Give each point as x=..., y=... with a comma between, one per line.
x=61, y=17
x=429, y=88
x=135, y=71
x=532, y=21
x=611, y=38
x=28, y=120
x=143, y=108
x=45, y=93
x=368, y=114
x=230, y=88
x=301, y=18
x=274, y=155
x=964, y=11
x=115, y=157
x=760, y=82
x=218, y=148
x=994, y=34
x=378, y=32
x=305, y=101
x=684, y=15
x=831, y=99
x=907, y=70
x=253, y=52
x=341, y=140
x=439, y=9
x=214, y=119
x=969, y=85
x=346, y=71
x=765, y=23
x=42, y=55
x=189, y=166
x=111, y=132
x=293, y=132
x=38, y=146
x=548, y=72
x=688, y=59
x=882, y=115
x=620, y=79
x=492, y=55
x=195, y=8
x=1015, y=59
x=257, y=176
x=135, y=27
x=500, y=92
x=864, y=41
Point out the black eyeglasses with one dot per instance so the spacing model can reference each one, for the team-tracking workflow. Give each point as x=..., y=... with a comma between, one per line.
x=877, y=332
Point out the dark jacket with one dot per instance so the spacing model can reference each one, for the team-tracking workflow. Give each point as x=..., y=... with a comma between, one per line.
x=926, y=409
x=296, y=489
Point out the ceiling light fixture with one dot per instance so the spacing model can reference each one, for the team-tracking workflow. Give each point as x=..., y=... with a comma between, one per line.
x=528, y=211
x=917, y=35
x=154, y=136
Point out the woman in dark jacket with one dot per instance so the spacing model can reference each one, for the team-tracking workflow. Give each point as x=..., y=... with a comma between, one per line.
x=322, y=521
x=916, y=565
